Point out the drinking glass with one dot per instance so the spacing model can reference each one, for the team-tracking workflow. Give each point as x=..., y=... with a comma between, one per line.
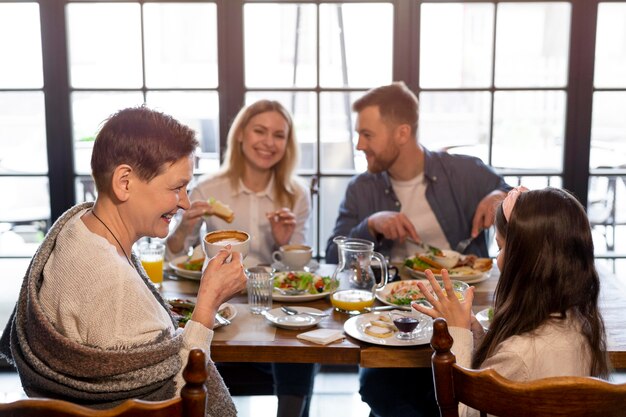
x=151, y=255
x=260, y=285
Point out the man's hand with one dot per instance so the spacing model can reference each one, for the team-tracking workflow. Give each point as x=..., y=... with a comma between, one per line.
x=486, y=211
x=392, y=225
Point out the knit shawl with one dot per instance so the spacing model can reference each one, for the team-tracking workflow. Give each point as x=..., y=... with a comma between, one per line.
x=51, y=365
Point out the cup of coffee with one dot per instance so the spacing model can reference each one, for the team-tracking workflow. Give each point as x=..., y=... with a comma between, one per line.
x=294, y=257
x=216, y=240
x=260, y=285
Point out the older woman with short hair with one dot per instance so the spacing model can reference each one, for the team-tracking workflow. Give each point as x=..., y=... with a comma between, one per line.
x=89, y=326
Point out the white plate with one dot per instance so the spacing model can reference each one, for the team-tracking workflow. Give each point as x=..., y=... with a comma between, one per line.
x=355, y=327
x=277, y=296
x=297, y=322
x=470, y=279
x=312, y=266
x=386, y=291
x=230, y=312
x=185, y=273
x=483, y=318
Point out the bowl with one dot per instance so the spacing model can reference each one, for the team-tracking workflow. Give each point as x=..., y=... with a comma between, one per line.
x=449, y=259
x=216, y=240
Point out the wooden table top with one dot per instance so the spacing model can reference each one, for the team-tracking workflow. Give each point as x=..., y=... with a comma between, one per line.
x=287, y=348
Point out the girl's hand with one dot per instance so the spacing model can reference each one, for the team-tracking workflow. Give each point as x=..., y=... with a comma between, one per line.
x=220, y=281
x=283, y=224
x=457, y=313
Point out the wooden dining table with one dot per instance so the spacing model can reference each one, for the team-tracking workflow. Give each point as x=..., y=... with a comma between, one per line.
x=285, y=347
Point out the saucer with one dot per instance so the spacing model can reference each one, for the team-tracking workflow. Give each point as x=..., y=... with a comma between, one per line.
x=312, y=266
x=300, y=321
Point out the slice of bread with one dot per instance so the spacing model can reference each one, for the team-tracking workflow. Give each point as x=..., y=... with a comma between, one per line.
x=221, y=210
x=377, y=331
x=383, y=324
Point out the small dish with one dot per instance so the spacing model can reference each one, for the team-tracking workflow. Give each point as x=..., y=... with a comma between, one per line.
x=297, y=322
x=483, y=318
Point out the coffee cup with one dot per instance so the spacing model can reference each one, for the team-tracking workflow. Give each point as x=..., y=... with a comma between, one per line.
x=214, y=241
x=294, y=257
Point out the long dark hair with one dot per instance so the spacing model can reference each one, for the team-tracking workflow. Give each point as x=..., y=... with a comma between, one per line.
x=548, y=269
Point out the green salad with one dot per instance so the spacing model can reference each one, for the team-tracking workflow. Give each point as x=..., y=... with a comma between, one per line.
x=312, y=283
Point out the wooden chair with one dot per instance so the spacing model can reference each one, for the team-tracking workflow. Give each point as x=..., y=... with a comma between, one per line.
x=191, y=403
x=489, y=392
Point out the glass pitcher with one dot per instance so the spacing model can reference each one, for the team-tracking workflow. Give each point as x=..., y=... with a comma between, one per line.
x=354, y=280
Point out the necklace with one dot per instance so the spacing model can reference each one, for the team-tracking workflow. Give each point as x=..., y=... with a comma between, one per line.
x=112, y=234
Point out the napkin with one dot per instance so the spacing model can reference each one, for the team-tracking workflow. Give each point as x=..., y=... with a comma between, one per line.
x=322, y=336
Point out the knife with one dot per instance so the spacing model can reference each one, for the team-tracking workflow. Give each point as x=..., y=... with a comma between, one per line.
x=384, y=308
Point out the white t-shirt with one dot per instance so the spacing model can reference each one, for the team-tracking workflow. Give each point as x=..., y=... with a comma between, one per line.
x=412, y=196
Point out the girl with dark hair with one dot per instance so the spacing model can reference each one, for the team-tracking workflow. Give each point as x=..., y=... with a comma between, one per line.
x=546, y=320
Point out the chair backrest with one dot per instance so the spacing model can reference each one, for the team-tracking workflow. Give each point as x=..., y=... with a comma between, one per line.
x=489, y=392
x=191, y=403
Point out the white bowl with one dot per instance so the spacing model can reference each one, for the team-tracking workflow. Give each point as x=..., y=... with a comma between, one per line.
x=216, y=240
x=449, y=259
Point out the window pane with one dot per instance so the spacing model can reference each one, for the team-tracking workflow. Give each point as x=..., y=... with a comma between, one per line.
x=456, y=122
x=338, y=138
x=332, y=193
x=23, y=220
x=200, y=111
x=608, y=130
x=303, y=109
x=99, y=56
x=456, y=45
x=20, y=46
x=22, y=133
x=89, y=111
x=529, y=129
x=532, y=44
x=607, y=213
x=181, y=45
x=354, y=37
x=610, y=70
x=11, y=281
x=280, y=45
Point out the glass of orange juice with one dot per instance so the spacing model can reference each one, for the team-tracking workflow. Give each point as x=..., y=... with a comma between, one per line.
x=151, y=255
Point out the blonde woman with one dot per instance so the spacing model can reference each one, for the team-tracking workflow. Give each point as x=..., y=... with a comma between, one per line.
x=257, y=181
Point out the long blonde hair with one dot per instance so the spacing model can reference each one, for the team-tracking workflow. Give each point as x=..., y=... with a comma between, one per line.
x=234, y=161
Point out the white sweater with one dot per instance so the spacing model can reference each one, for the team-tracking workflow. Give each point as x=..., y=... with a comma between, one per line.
x=94, y=297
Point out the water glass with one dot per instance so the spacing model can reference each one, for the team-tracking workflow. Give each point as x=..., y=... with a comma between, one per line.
x=260, y=286
x=151, y=255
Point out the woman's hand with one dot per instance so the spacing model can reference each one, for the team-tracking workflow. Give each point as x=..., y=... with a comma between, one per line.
x=188, y=221
x=220, y=281
x=456, y=312
x=283, y=224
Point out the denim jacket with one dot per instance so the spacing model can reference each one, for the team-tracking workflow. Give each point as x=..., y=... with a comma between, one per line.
x=456, y=184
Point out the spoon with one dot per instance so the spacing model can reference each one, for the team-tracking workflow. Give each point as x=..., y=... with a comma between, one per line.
x=292, y=312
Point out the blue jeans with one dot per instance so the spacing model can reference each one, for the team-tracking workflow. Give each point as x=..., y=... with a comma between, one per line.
x=393, y=392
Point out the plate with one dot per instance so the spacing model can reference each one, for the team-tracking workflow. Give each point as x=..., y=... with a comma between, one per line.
x=483, y=318
x=228, y=311
x=277, y=296
x=469, y=279
x=312, y=266
x=355, y=327
x=181, y=272
x=298, y=322
x=383, y=294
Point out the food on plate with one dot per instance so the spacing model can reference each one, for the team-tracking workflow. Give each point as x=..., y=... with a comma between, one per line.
x=380, y=327
x=194, y=262
x=182, y=310
x=404, y=292
x=466, y=265
x=301, y=280
x=222, y=210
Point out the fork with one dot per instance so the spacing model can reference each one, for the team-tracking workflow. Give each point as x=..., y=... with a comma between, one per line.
x=292, y=312
x=462, y=245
